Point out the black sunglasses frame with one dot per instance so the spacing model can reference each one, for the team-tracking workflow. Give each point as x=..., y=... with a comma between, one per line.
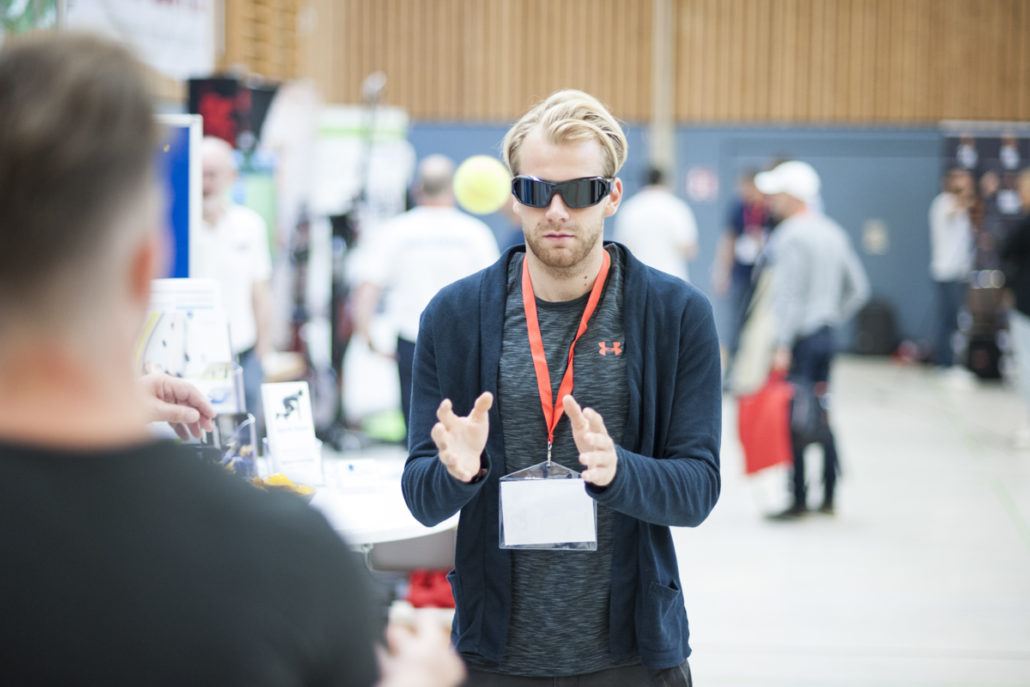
x=577, y=194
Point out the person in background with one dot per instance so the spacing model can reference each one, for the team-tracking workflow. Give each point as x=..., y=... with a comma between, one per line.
x=658, y=227
x=747, y=230
x=1015, y=257
x=951, y=257
x=127, y=561
x=818, y=283
x=232, y=248
x=415, y=255
x=639, y=348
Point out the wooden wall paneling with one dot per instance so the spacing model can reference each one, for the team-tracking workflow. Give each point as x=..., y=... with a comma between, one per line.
x=839, y=39
x=598, y=51
x=707, y=59
x=684, y=67
x=470, y=44
x=903, y=77
x=801, y=103
x=500, y=77
x=717, y=58
x=641, y=84
x=1008, y=77
x=947, y=56
x=779, y=61
x=821, y=62
x=886, y=32
x=733, y=58
x=1021, y=58
x=861, y=53
x=922, y=74
x=999, y=60
x=759, y=67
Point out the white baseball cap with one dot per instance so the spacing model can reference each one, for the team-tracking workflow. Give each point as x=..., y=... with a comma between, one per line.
x=794, y=178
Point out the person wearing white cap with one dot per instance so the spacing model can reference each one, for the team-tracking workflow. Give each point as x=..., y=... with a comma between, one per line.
x=818, y=283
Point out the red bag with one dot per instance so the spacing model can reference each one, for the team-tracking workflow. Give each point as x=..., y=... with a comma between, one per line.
x=763, y=423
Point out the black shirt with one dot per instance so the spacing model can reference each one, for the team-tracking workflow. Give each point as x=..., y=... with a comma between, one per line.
x=143, y=566
x=1015, y=254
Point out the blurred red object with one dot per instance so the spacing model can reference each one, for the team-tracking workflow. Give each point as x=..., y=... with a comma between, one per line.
x=763, y=424
x=430, y=588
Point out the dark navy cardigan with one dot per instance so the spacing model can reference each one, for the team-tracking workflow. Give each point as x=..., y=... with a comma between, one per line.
x=668, y=467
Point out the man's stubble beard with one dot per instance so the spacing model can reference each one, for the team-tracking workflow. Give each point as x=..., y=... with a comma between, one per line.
x=564, y=261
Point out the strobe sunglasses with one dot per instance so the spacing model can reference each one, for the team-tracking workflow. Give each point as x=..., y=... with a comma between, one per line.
x=576, y=193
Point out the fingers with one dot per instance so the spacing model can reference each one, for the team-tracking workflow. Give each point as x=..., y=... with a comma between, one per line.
x=445, y=413
x=439, y=436
x=181, y=431
x=482, y=407
x=575, y=413
x=595, y=421
x=192, y=396
x=600, y=467
x=175, y=414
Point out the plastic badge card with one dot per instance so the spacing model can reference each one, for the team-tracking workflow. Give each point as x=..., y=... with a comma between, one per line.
x=546, y=506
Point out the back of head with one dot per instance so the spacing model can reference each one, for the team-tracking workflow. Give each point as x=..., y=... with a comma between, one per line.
x=655, y=176
x=434, y=179
x=77, y=143
x=570, y=116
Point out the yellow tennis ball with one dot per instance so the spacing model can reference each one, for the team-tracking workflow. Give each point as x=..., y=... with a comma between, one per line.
x=481, y=184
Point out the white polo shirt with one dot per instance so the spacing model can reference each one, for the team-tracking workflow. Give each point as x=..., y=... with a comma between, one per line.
x=235, y=253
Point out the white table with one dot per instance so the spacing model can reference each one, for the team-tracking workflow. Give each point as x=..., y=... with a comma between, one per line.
x=362, y=500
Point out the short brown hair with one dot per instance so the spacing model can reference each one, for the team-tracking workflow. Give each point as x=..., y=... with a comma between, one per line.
x=78, y=137
x=570, y=116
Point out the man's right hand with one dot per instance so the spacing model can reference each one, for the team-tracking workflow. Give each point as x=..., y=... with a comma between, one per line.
x=461, y=440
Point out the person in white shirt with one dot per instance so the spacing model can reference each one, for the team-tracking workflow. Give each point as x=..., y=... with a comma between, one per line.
x=951, y=257
x=658, y=227
x=232, y=248
x=415, y=255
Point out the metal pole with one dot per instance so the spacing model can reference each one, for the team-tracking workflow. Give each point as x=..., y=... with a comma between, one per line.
x=663, y=138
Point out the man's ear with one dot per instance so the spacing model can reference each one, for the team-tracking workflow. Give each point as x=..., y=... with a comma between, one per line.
x=611, y=203
x=149, y=261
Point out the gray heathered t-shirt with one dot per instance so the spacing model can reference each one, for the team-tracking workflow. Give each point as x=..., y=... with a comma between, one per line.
x=559, y=620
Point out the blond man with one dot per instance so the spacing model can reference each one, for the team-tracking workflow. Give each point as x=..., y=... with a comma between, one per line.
x=637, y=349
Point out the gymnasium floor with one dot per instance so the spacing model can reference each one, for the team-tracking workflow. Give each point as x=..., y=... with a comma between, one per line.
x=921, y=579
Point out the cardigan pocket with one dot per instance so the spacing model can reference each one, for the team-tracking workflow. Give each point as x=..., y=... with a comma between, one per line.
x=662, y=624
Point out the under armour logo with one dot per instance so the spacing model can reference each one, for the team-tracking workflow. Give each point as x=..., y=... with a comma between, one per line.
x=615, y=348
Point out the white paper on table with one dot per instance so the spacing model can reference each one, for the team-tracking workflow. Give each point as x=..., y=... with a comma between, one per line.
x=547, y=511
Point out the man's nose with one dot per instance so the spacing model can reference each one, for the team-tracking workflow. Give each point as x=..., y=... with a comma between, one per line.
x=557, y=209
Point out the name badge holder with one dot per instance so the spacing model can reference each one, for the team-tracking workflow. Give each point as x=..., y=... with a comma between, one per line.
x=546, y=506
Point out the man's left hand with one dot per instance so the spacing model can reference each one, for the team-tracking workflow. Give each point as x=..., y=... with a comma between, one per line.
x=596, y=448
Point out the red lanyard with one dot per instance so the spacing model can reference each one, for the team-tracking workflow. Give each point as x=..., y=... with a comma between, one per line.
x=553, y=410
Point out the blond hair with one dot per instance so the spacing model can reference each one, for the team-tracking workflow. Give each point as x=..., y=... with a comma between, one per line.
x=570, y=116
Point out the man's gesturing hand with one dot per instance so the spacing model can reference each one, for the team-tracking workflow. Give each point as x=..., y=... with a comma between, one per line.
x=596, y=448
x=461, y=440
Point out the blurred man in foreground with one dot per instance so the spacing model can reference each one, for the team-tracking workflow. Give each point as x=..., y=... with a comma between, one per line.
x=126, y=561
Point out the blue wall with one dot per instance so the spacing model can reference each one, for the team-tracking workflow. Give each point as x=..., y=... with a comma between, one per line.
x=885, y=174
